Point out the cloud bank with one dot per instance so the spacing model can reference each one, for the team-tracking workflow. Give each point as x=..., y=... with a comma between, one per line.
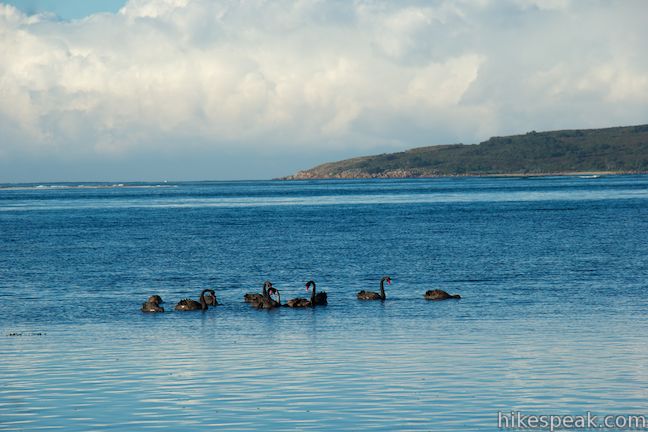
x=250, y=89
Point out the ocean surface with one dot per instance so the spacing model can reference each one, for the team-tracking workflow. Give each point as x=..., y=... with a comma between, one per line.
x=553, y=274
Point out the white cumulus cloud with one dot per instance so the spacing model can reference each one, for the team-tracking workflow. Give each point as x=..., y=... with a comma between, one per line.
x=308, y=78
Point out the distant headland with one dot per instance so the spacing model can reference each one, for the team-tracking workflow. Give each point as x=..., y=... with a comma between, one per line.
x=613, y=150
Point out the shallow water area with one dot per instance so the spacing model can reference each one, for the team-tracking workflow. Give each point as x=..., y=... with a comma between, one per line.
x=552, y=272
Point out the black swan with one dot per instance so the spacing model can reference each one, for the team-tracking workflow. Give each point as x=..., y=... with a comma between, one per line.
x=299, y=302
x=439, y=295
x=267, y=302
x=370, y=295
x=316, y=298
x=256, y=297
x=153, y=304
x=192, y=305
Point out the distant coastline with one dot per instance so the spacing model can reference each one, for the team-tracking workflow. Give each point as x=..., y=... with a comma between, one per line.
x=398, y=175
x=609, y=151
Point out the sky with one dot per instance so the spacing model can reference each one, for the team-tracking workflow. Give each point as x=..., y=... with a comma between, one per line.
x=151, y=90
x=67, y=9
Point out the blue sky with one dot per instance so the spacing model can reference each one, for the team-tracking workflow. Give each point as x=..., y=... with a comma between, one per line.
x=67, y=9
x=219, y=89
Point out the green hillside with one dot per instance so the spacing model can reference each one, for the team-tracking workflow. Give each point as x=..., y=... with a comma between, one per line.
x=618, y=149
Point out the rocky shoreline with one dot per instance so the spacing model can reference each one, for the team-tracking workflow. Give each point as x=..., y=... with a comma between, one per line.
x=412, y=174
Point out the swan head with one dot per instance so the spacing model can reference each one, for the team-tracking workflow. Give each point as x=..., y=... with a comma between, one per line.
x=386, y=279
x=212, y=298
x=274, y=291
x=309, y=283
x=156, y=299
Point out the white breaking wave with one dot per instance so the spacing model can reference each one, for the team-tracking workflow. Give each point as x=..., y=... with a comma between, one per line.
x=82, y=186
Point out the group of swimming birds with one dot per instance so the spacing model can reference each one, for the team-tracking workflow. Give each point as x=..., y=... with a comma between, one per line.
x=266, y=298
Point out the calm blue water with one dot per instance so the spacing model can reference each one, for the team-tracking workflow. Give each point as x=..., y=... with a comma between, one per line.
x=554, y=319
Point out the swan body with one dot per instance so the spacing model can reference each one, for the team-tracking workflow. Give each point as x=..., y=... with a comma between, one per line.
x=301, y=302
x=153, y=304
x=257, y=297
x=439, y=295
x=321, y=299
x=370, y=295
x=316, y=299
x=192, y=305
x=267, y=302
x=298, y=303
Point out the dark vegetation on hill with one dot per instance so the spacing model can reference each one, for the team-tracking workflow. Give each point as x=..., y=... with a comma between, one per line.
x=618, y=149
